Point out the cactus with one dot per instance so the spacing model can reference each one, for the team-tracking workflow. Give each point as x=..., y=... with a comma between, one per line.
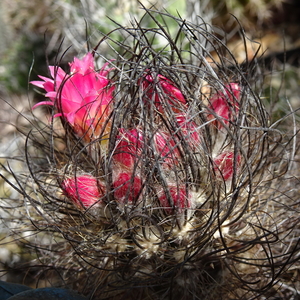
x=159, y=174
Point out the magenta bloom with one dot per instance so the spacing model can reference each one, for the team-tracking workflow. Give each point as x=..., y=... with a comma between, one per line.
x=225, y=106
x=83, y=190
x=82, y=97
x=163, y=91
x=224, y=165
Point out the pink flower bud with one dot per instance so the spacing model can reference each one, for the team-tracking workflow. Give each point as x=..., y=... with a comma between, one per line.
x=129, y=147
x=189, y=131
x=160, y=89
x=225, y=106
x=82, y=97
x=167, y=149
x=83, y=190
x=127, y=187
x=224, y=165
x=175, y=200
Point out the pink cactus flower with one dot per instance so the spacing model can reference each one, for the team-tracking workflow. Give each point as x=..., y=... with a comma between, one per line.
x=83, y=190
x=225, y=106
x=127, y=187
x=224, y=165
x=175, y=200
x=82, y=97
x=129, y=147
x=162, y=90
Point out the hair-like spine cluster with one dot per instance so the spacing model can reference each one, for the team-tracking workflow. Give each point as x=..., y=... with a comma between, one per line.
x=164, y=180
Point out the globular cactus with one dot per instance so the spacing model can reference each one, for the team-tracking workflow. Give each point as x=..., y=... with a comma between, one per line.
x=167, y=179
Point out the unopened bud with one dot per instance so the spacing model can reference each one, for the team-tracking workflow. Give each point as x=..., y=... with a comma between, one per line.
x=225, y=106
x=225, y=164
x=127, y=187
x=83, y=190
x=175, y=199
x=128, y=147
x=167, y=149
x=163, y=91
